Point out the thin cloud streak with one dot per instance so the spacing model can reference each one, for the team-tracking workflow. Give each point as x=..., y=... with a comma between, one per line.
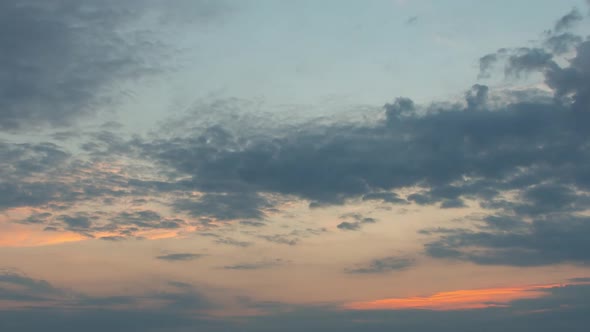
x=460, y=299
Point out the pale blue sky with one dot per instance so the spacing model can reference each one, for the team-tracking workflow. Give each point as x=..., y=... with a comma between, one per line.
x=341, y=53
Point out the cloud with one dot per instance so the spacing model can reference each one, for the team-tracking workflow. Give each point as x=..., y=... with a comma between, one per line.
x=280, y=239
x=387, y=197
x=62, y=57
x=412, y=20
x=331, y=164
x=41, y=306
x=112, y=238
x=265, y=264
x=477, y=97
x=356, y=224
x=66, y=59
x=447, y=153
x=349, y=226
x=178, y=257
x=80, y=221
x=384, y=265
x=562, y=43
x=526, y=60
x=528, y=144
x=225, y=206
x=567, y=21
x=486, y=63
x=145, y=219
x=491, y=145
x=227, y=240
x=252, y=223
x=546, y=240
x=21, y=288
x=233, y=242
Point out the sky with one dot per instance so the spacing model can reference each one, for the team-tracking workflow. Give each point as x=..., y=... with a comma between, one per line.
x=225, y=165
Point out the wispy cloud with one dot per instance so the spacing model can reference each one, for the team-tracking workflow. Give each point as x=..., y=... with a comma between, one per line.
x=180, y=257
x=384, y=265
x=264, y=264
x=459, y=300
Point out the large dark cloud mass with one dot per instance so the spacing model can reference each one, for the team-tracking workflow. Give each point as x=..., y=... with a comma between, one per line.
x=452, y=152
x=521, y=155
x=531, y=146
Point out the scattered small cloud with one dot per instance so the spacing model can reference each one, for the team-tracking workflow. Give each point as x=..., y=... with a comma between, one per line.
x=384, y=265
x=265, y=264
x=179, y=257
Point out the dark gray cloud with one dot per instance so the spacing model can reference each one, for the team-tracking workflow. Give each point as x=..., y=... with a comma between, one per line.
x=112, y=238
x=180, y=257
x=45, y=307
x=18, y=287
x=332, y=164
x=252, y=223
x=477, y=97
x=27, y=159
x=124, y=225
x=292, y=238
x=58, y=185
x=349, y=226
x=486, y=64
x=356, y=221
x=225, y=206
x=531, y=145
x=450, y=152
x=568, y=20
x=280, y=239
x=227, y=240
x=265, y=264
x=543, y=224
x=23, y=171
x=546, y=240
x=145, y=219
x=412, y=20
x=387, y=197
x=61, y=57
x=37, y=218
x=526, y=60
x=80, y=221
x=64, y=59
x=233, y=242
x=562, y=43
x=384, y=265
x=45, y=175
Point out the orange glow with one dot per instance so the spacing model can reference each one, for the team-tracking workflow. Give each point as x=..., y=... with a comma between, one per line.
x=457, y=300
x=160, y=235
x=22, y=236
x=17, y=235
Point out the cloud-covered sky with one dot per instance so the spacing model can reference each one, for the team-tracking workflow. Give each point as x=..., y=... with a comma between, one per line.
x=310, y=165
